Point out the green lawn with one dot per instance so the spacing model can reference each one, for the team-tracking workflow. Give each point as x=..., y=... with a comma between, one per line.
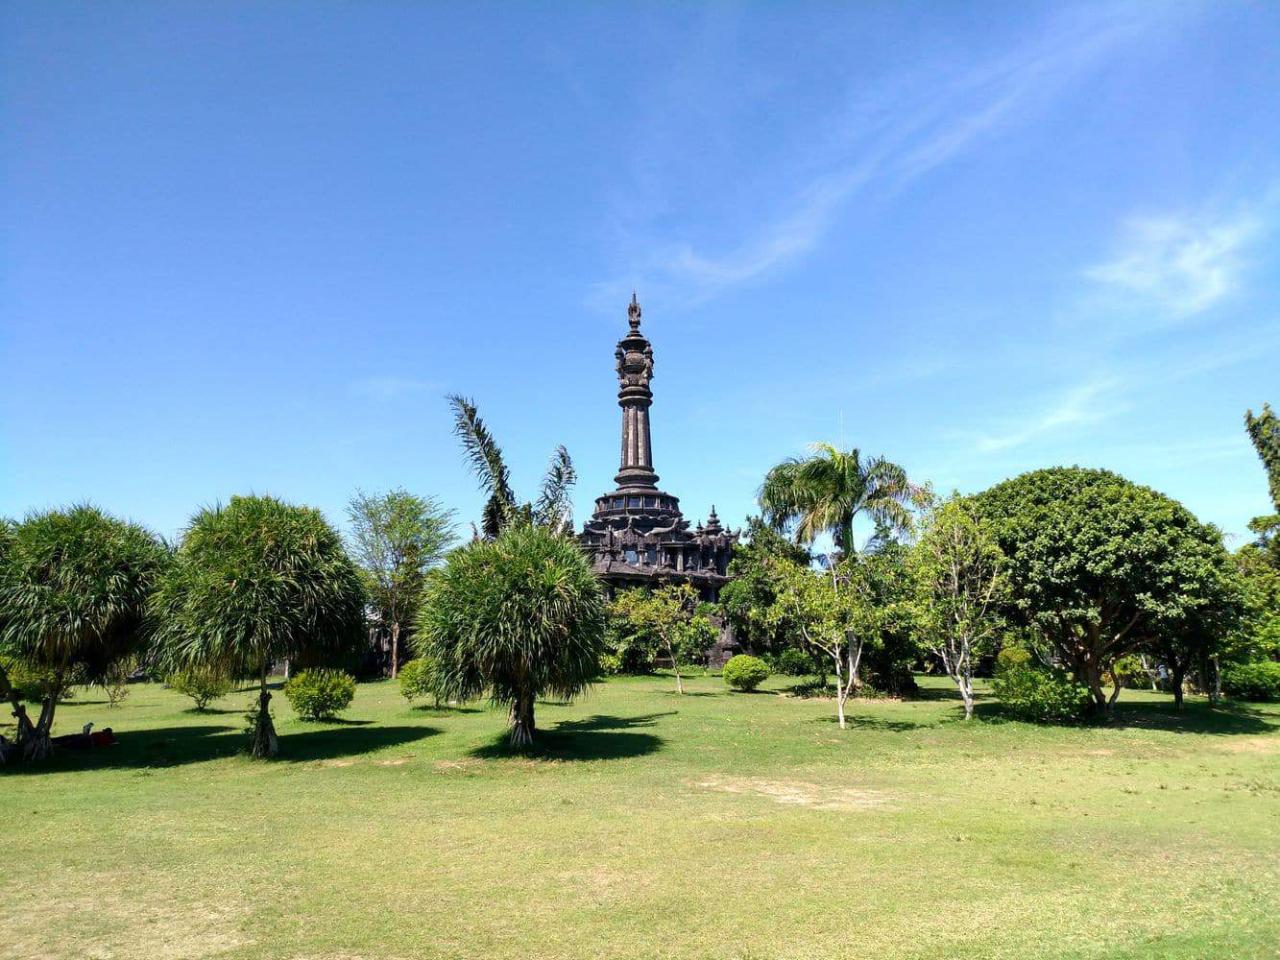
x=652, y=825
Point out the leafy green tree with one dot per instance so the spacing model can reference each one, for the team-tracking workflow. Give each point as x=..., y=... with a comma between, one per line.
x=668, y=619
x=74, y=589
x=888, y=585
x=1098, y=565
x=750, y=593
x=519, y=616
x=1264, y=431
x=834, y=615
x=396, y=537
x=961, y=587
x=826, y=492
x=253, y=583
x=553, y=507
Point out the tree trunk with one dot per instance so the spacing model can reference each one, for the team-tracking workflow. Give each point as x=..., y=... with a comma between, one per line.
x=395, y=649
x=25, y=729
x=264, y=744
x=522, y=723
x=675, y=665
x=1215, y=688
x=1179, y=676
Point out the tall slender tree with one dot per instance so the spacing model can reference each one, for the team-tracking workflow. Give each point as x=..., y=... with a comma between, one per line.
x=1264, y=431
x=396, y=537
x=74, y=588
x=552, y=508
x=255, y=582
x=826, y=492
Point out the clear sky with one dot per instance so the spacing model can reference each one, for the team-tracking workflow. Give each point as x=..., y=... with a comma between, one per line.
x=250, y=247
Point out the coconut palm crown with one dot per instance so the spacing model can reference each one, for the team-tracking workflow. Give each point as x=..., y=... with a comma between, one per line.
x=825, y=492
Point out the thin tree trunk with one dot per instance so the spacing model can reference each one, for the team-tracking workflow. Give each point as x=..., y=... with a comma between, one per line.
x=395, y=649
x=25, y=728
x=840, y=691
x=1179, y=677
x=264, y=744
x=675, y=665
x=1215, y=689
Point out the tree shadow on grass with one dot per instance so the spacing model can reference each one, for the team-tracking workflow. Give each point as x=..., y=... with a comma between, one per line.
x=160, y=747
x=862, y=722
x=1194, y=717
x=600, y=737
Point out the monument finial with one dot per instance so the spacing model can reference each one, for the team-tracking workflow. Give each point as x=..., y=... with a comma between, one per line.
x=633, y=312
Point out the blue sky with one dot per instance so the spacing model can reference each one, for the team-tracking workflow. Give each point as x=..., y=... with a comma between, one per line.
x=251, y=247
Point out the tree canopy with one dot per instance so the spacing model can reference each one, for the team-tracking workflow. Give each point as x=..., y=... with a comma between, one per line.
x=1100, y=566
x=519, y=616
x=825, y=493
x=255, y=582
x=74, y=589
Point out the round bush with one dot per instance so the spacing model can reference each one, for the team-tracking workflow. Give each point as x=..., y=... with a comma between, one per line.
x=1041, y=696
x=202, y=686
x=416, y=681
x=745, y=673
x=794, y=663
x=320, y=694
x=1258, y=681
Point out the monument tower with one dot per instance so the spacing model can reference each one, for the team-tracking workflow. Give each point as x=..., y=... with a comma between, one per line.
x=637, y=535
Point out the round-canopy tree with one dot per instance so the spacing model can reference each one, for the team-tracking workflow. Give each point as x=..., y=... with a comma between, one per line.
x=1102, y=567
x=520, y=616
x=74, y=587
x=255, y=582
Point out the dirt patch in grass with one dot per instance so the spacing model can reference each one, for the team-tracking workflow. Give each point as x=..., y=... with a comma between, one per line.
x=394, y=762
x=799, y=793
x=1252, y=745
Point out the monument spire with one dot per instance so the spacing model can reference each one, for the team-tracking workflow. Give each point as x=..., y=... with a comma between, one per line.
x=635, y=370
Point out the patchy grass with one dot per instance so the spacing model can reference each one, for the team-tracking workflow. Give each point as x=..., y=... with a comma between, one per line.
x=713, y=825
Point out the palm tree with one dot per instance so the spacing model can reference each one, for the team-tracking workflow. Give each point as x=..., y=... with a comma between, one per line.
x=74, y=590
x=520, y=616
x=825, y=492
x=552, y=508
x=256, y=582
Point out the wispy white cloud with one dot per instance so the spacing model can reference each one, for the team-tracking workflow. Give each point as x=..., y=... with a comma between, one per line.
x=1088, y=403
x=886, y=139
x=390, y=387
x=1174, y=267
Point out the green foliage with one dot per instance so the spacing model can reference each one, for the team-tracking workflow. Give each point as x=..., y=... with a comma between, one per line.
x=745, y=672
x=115, y=680
x=1264, y=431
x=320, y=694
x=1100, y=566
x=1035, y=694
x=202, y=685
x=793, y=662
x=666, y=622
x=30, y=683
x=1257, y=636
x=824, y=493
x=1256, y=681
x=748, y=596
x=553, y=507
x=396, y=537
x=417, y=680
x=519, y=617
x=255, y=582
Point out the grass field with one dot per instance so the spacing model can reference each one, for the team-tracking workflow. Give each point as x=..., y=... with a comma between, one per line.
x=651, y=825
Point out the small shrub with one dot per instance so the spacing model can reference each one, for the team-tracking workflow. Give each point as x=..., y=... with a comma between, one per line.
x=1012, y=656
x=416, y=680
x=794, y=663
x=28, y=682
x=202, y=686
x=1041, y=696
x=1257, y=681
x=745, y=673
x=320, y=694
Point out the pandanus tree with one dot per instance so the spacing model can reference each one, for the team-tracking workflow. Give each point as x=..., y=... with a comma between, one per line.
x=519, y=616
x=74, y=589
x=551, y=509
x=256, y=582
x=826, y=492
